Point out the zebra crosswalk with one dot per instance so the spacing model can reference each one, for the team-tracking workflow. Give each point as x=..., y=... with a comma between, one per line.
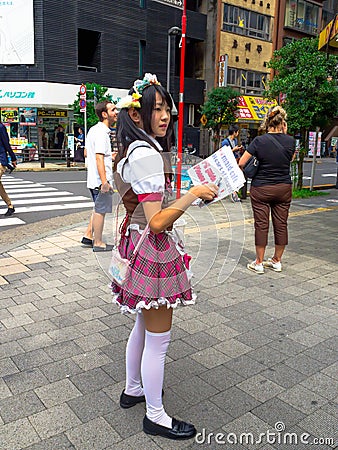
x=32, y=197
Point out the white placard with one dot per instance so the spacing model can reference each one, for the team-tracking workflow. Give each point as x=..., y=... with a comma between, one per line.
x=176, y=3
x=220, y=168
x=16, y=32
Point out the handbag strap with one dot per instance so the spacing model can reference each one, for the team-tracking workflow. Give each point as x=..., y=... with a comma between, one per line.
x=145, y=231
x=279, y=145
x=131, y=151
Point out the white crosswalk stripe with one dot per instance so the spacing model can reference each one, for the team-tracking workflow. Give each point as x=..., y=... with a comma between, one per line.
x=31, y=197
x=9, y=221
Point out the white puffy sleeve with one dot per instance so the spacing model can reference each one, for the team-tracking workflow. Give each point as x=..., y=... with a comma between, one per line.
x=144, y=171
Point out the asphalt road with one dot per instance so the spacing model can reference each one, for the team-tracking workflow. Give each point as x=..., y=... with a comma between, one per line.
x=46, y=200
x=325, y=172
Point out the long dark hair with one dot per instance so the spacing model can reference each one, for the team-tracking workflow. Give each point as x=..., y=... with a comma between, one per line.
x=128, y=132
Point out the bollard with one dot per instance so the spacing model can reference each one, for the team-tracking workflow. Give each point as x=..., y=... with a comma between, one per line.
x=42, y=159
x=68, y=157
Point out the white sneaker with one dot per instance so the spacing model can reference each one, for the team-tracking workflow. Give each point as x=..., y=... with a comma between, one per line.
x=276, y=266
x=257, y=268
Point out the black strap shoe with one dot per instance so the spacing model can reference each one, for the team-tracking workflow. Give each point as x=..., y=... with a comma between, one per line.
x=87, y=241
x=9, y=212
x=179, y=430
x=127, y=401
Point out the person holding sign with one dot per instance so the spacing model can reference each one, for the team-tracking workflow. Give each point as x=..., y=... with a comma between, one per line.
x=271, y=188
x=157, y=279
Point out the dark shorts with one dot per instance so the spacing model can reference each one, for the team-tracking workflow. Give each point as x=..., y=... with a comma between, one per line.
x=103, y=201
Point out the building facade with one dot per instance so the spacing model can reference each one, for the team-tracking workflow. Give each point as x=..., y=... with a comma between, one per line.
x=297, y=19
x=245, y=45
x=52, y=48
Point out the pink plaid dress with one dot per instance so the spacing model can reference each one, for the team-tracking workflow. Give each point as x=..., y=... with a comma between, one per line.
x=158, y=274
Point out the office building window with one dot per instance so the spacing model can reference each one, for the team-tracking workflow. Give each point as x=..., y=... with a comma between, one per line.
x=302, y=15
x=142, y=49
x=89, y=50
x=143, y=4
x=246, y=81
x=248, y=23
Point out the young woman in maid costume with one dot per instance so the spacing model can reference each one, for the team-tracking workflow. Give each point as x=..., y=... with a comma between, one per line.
x=158, y=278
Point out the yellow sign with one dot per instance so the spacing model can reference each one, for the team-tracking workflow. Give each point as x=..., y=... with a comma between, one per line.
x=204, y=120
x=254, y=108
x=52, y=113
x=329, y=35
x=9, y=115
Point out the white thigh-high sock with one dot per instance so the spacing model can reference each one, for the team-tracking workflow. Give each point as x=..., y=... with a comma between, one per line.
x=134, y=352
x=152, y=369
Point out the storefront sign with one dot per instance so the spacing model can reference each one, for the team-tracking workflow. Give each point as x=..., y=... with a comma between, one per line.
x=44, y=95
x=254, y=108
x=14, y=95
x=176, y=3
x=222, y=70
x=18, y=142
x=312, y=142
x=329, y=35
x=27, y=116
x=16, y=32
x=9, y=115
x=52, y=113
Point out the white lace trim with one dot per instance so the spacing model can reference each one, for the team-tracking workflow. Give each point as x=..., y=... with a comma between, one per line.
x=153, y=304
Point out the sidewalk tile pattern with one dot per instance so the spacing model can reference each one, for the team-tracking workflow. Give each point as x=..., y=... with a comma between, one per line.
x=253, y=354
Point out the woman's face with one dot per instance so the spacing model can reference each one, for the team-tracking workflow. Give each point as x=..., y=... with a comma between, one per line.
x=160, y=118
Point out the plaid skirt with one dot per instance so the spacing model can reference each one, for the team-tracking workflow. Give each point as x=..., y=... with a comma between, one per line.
x=157, y=276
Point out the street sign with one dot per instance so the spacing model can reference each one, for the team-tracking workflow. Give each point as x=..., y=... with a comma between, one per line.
x=175, y=3
x=83, y=89
x=83, y=105
x=204, y=120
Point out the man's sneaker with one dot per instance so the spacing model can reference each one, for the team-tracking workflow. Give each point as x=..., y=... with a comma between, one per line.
x=235, y=198
x=276, y=266
x=9, y=212
x=257, y=268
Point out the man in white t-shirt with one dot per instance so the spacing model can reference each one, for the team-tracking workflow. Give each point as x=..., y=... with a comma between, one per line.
x=100, y=174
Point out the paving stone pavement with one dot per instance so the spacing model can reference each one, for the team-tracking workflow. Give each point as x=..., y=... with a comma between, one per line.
x=256, y=355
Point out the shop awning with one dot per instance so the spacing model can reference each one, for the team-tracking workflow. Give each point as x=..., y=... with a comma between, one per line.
x=43, y=94
x=328, y=38
x=332, y=133
x=253, y=109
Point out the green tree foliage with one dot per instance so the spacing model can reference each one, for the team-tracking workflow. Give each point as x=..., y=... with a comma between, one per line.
x=101, y=95
x=220, y=110
x=307, y=78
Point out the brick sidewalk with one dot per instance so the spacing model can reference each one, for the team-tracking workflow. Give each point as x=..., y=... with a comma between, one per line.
x=254, y=351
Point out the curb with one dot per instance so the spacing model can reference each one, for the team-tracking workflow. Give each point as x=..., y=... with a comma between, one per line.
x=49, y=169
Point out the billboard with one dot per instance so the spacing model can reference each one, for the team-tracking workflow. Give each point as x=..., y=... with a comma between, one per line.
x=254, y=108
x=27, y=116
x=16, y=32
x=9, y=115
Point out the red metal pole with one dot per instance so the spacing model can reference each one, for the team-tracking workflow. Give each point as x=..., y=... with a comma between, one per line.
x=181, y=105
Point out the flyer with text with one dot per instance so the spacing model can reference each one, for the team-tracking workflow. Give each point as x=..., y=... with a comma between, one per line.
x=220, y=168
